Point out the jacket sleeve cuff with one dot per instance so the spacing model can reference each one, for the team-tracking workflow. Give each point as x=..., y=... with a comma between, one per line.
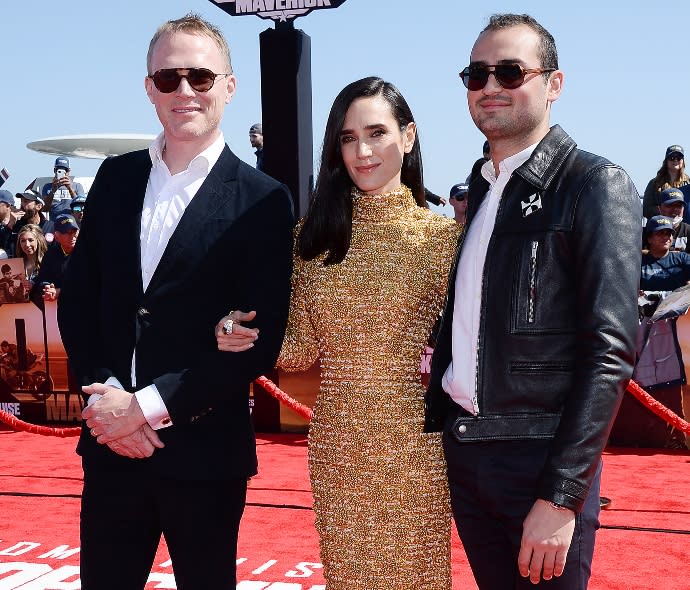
x=565, y=493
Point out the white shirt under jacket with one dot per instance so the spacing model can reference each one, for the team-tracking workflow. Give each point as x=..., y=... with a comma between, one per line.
x=460, y=378
x=165, y=201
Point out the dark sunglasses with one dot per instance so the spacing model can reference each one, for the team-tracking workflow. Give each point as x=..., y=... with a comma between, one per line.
x=168, y=80
x=675, y=157
x=509, y=76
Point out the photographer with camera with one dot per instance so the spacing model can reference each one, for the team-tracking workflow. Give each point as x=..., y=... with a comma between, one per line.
x=59, y=193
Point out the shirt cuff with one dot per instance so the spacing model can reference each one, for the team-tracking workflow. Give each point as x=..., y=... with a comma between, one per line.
x=153, y=408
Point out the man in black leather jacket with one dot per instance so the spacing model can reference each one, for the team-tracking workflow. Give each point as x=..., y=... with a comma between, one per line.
x=536, y=343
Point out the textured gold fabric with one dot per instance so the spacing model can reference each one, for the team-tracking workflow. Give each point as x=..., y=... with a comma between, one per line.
x=379, y=482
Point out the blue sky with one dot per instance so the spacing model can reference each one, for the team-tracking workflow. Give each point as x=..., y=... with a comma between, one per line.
x=77, y=67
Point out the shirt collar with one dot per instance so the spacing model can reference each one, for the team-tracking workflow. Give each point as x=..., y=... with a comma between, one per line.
x=507, y=166
x=207, y=158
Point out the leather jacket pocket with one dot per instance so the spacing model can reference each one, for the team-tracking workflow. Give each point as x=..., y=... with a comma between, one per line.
x=541, y=293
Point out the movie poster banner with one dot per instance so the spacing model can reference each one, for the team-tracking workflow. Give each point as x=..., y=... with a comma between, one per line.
x=35, y=381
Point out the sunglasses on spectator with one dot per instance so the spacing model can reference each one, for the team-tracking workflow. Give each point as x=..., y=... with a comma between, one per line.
x=509, y=76
x=168, y=80
x=675, y=157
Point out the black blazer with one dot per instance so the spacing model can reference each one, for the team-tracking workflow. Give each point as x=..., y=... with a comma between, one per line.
x=231, y=250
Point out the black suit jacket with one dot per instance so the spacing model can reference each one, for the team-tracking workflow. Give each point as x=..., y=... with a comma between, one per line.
x=231, y=250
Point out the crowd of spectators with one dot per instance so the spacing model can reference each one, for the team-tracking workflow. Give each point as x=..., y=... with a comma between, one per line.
x=42, y=231
x=660, y=366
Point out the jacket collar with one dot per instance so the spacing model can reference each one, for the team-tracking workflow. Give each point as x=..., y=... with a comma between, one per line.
x=548, y=157
x=539, y=170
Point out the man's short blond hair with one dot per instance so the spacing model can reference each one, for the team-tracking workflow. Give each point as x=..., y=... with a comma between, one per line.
x=193, y=24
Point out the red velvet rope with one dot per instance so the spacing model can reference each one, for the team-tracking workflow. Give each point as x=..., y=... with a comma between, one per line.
x=658, y=408
x=284, y=398
x=633, y=388
x=21, y=426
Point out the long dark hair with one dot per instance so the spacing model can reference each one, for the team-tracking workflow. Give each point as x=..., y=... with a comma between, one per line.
x=328, y=223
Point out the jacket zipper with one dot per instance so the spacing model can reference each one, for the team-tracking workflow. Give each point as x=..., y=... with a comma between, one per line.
x=532, y=282
x=482, y=308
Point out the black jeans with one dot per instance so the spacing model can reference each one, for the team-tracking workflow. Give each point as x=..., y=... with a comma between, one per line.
x=492, y=488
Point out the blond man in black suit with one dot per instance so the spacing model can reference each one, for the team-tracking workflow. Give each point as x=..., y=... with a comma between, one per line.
x=167, y=444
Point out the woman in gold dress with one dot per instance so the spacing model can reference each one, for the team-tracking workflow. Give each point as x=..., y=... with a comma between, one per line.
x=371, y=268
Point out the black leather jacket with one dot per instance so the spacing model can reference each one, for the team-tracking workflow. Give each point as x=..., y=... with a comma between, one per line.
x=558, y=315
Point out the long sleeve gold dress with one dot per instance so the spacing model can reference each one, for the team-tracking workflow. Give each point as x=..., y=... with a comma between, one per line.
x=379, y=482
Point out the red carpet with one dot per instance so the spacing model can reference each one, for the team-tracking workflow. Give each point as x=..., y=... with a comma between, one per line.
x=645, y=542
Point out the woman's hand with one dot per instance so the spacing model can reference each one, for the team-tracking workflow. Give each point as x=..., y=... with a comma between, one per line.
x=238, y=338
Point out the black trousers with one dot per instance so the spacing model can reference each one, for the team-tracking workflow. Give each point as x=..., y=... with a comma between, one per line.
x=492, y=488
x=123, y=515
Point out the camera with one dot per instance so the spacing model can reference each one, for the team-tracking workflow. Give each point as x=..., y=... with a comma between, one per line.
x=60, y=173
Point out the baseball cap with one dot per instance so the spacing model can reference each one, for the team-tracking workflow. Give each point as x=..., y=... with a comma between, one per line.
x=256, y=128
x=657, y=223
x=458, y=190
x=77, y=201
x=65, y=223
x=31, y=195
x=6, y=197
x=675, y=149
x=671, y=195
x=62, y=162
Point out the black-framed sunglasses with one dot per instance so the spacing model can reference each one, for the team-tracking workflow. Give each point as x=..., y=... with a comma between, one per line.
x=167, y=80
x=509, y=76
x=675, y=157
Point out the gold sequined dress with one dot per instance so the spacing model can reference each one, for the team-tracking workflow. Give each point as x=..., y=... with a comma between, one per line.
x=379, y=482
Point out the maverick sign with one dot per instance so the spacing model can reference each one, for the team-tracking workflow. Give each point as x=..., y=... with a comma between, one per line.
x=280, y=10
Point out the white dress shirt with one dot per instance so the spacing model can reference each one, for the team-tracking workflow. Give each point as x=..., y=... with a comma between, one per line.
x=165, y=201
x=460, y=378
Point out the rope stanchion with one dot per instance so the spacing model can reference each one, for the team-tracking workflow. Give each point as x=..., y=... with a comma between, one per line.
x=658, y=408
x=284, y=398
x=21, y=426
